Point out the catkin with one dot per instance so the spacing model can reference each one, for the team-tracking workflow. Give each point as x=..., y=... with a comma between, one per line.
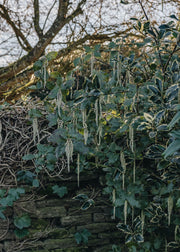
x=142, y=220
x=176, y=233
x=59, y=101
x=131, y=138
x=84, y=116
x=78, y=169
x=119, y=69
x=131, y=144
x=1, y=133
x=99, y=131
x=179, y=95
x=123, y=164
x=170, y=207
x=85, y=133
x=92, y=63
x=35, y=130
x=69, y=152
x=44, y=71
x=114, y=69
x=114, y=199
x=125, y=212
x=96, y=111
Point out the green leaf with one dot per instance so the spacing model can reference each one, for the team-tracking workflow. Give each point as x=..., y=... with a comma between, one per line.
x=138, y=238
x=82, y=236
x=148, y=117
x=53, y=93
x=164, y=27
x=174, y=17
x=60, y=191
x=129, y=239
x=87, y=204
x=21, y=233
x=81, y=197
x=154, y=89
x=34, y=113
x=173, y=147
x=2, y=216
x=178, y=203
x=23, y=221
x=37, y=65
x=155, y=151
x=77, y=61
x=87, y=49
x=35, y=183
x=28, y=157
x=2, y=192
x=51, y=55
x=78, y=237
x=175, y=119
x=124, y=228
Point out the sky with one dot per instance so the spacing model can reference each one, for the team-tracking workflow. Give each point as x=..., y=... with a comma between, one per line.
x=112, y=13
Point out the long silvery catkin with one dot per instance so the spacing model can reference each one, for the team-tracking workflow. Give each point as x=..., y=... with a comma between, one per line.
x=69, y=152
x=1, y=133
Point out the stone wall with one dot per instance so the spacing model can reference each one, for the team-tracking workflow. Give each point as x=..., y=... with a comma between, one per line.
x=54, y=221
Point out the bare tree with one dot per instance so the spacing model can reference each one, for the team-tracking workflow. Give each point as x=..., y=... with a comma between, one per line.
x=29, y=28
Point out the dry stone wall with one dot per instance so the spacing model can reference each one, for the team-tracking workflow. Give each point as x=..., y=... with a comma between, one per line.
x=54, y=221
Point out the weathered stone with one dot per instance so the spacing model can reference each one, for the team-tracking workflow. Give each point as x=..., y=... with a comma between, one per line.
x=59, y=243
x=76, y=220
x=1, y=247
x=106, y=248
x=98, y=227
x=101, y=217
x=96, y=242
x=50, y=212
x=112, y=235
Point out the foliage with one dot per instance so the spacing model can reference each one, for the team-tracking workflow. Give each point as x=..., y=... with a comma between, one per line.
x=60, y=191
x=124, y=121
x=82, y=236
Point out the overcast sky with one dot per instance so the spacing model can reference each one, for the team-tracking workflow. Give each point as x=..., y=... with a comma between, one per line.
x=112, y=13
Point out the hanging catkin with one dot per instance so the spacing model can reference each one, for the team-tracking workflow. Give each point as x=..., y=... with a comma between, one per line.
x=45, y=72
x=85, y=133
x=170, y=207
x=131, y=138
x=119, y=68
x=142, y=221
x=99, y=133
x=96, y=111
x=123, y=164
x=131, y=144
x=179, y=95
x=35, y=130
x=176, y=233
x=84, y=116
x=125, y=212
x=92, y=63
x=114, y=208
x=59, y=101
x=1, y=133
x=69, y=152
x=78, y=169
x=114, y=69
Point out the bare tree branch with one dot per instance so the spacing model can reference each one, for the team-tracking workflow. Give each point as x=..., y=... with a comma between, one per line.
x=36, y=19
x=12, y=70
x=20, y=36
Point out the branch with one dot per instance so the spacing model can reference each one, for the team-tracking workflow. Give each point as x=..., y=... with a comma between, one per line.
x=20, y=36
x=154, y=37
x=36, y=19
x=13, y=88
x=15, y=68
